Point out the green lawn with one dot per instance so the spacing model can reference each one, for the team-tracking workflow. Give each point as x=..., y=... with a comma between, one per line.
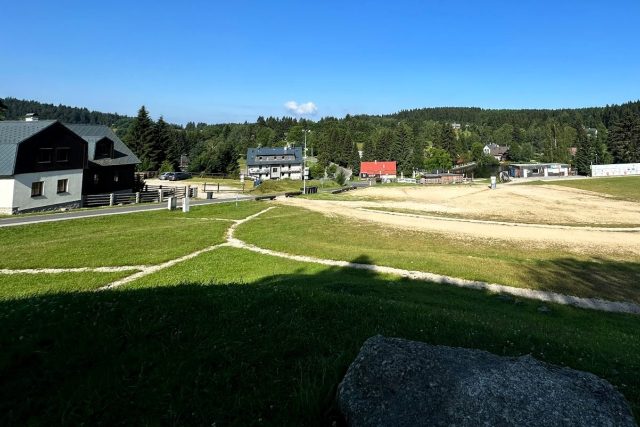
x=21, y=286
x=545, y=268
x=128, y=239
x=236, y=338
x=626, y=188
x=232, y=337
x=284, y=185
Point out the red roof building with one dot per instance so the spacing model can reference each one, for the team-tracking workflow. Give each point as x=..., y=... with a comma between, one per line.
x=378, y=169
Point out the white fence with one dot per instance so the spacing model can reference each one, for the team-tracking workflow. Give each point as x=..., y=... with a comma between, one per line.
x=151, y=194
x=621, y=169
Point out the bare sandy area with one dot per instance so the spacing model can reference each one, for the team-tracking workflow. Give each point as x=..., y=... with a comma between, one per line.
x=523, y=207
x=514, y=203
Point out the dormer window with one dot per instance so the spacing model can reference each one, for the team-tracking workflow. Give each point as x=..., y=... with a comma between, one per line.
x=45, y=155
x=104, y=149
x=62, y=154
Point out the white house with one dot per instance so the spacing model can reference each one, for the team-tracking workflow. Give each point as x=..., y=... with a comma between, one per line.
x=41, y=166
x=275, y=163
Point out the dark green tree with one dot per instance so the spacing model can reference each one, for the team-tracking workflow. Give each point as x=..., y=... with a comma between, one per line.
x=354, y=160
x=585, y=152
x=141, y=139
x=624, y=139
x=3, y=109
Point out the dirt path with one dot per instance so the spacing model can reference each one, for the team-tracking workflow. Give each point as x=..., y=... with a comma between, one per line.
x=577, y=240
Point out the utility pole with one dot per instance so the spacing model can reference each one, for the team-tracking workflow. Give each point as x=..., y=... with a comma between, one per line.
x=304, y=162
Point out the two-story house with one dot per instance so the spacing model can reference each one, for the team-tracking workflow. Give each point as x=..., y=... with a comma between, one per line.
x=275, y=163
x=45, y=164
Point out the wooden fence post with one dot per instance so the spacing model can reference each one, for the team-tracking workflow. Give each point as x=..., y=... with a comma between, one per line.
x=218, y=187
x=137, y=197
x=111, y=199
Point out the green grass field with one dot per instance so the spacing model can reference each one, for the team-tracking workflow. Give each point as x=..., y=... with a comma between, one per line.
x=626, y=188
x=545, y=268
x=236, y=338
x=130, y=239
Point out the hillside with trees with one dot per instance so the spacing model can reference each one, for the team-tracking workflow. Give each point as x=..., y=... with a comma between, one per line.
x=417, y=139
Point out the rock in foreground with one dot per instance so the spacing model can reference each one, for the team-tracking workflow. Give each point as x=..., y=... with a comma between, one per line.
x=395, y=382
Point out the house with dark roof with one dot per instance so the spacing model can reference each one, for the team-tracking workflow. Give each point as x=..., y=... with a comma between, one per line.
x=275, y=163
x=497, y=152
x=111, y=164
x=45, y=164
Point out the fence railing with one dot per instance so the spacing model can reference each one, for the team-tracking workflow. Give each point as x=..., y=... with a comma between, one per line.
x=150, y=194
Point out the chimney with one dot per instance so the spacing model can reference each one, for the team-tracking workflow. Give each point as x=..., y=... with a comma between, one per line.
x=31, y=117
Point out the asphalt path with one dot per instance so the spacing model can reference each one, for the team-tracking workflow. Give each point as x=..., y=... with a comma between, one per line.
x=116, y=210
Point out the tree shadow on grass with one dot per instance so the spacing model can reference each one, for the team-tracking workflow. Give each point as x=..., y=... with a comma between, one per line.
x=599, y=278
x=270, y=352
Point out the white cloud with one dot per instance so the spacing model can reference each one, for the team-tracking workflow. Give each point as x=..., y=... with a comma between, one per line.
x=308, y=108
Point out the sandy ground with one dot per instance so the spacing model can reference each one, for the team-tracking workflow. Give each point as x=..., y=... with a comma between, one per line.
x=512, y=203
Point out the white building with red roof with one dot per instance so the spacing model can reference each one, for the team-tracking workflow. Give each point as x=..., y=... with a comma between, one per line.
x=376, y=169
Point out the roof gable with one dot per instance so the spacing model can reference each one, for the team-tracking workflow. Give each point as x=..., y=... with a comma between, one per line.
x=94, y=133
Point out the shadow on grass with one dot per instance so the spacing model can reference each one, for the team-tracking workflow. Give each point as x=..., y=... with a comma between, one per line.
x=270, y=352
x=599, y=278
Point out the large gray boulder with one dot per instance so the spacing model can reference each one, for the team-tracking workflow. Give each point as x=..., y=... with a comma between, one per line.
x=396, y=382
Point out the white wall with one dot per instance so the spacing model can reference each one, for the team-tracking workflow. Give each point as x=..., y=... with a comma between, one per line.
x=621, y=169
x=22, y=199
x=6, y=195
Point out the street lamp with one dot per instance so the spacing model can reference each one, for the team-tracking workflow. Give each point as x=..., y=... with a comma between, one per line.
x=304, y=162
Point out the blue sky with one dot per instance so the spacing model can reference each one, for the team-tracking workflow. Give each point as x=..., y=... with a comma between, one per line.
x=215, y=61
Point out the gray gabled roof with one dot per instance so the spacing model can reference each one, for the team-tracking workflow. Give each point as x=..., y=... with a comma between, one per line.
x=12, y=133
x=94, y=133
x=254, y=153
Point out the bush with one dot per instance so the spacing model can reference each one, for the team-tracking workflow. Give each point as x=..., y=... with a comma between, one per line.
x=341, y=177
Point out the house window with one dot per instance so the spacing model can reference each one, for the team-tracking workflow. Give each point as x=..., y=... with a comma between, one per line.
x=96, y=178
x=274, y=170
x=104, y=149
x=116, y=177
x=45, y=155
x=63, y=186
x=62, y=154
x=37, y=188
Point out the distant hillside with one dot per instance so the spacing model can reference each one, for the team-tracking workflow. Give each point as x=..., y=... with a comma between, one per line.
x=17, y=108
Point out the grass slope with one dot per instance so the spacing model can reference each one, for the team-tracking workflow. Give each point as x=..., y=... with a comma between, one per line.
x=284, y=185
x=16, y=286
x=545, y=268
x=192, y=346
x=626, y=188
x=128, y=239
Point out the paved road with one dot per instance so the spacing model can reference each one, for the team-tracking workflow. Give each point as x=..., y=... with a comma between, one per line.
x=116, y=210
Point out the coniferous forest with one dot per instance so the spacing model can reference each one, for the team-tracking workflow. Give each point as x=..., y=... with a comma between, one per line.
x=426, y=138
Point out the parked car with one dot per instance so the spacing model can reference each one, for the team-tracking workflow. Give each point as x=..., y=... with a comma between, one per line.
x=177, y=176
x=165, y=175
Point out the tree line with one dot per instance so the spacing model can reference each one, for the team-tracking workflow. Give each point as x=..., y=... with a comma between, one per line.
x=426, y=139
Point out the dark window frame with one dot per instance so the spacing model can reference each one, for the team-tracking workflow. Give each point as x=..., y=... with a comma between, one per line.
x=37, y=189
x=66, y=151
x=45, y=159
x=65, y=187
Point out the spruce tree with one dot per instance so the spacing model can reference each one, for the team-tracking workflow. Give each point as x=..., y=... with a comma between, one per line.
x=162, y=142
x=141, y=138
x=368, y=150
x=3, y=109
x=354, y=159
x=585, y=152
x=624, y=139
